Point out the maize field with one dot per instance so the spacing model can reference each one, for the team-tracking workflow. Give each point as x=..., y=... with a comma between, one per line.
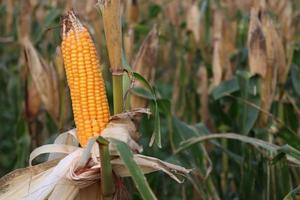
x=158, y=99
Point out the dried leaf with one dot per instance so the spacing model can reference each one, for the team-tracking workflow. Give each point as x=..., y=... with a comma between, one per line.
x=112, y=27
x=144, y=64
x=64, y=190
x=283, y=68
x=132, y=12
x=257, y=45
x=44, y=77
x=129, y=43
x=59, y=64
x=217, y=48
x=172, y=12
x=16, y=184
x=33, y=101
x=25, y=21
x=91, y=192
x=70, y=178
x=193, y=20
x=9, y=16
x=269, y=81
x=203, y=91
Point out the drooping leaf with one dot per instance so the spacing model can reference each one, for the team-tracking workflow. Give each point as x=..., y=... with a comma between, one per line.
x=134, y=170
x=226, y=87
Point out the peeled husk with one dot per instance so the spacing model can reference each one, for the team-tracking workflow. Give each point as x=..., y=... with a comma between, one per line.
x=72, y=172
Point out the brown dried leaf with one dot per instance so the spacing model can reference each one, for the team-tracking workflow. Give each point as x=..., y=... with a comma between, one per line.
x=283, y=68
x=145, y=62
x=269, y=81
x=129, y=43
x=193, y=20
x=172, y=12
x=12, y=183
x=112, y=27
x=286, y=19
x=9, y=17
x=59, y=64
x=91, y=192
x=132, y=12
x=33, y=101
x=217, y=48
x=203, y=91
x=244, y=5
x=257, y=45
x=44, y=77
x=25, y=21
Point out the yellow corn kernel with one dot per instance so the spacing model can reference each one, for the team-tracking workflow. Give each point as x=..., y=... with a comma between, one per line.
x=89, y=101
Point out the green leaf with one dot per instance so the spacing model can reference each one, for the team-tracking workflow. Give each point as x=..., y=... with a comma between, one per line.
x=156, y=136
x=154, y=10
x=145, y=82
x=293, y=154
x=290, y=138
x=287, y=149
x=134, y=170
x=293, y=195
x=164, y=105
x=141, y=92
x=49, y=19
x=278, y=158
x=226, y=87
x=295, y=73
x=253, y=141
x=247, y=114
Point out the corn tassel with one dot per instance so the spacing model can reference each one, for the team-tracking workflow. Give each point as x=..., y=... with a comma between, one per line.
x=89, y=101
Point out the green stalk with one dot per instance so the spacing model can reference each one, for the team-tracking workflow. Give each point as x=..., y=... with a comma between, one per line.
x=107, y=184
x=118, y=93
x=111, y=14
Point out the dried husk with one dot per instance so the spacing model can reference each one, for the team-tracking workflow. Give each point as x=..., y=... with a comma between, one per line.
x=33, y=101
x=77, y=175
x=144, y=64
x=257, y=45
x=223, y=46
x=44, y=77
x=268, y=84
x=266, y=57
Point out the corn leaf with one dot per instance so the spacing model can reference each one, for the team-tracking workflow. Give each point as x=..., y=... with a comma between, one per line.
x=134, y=170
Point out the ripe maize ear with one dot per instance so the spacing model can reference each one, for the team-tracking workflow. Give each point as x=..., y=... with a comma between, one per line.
x=89, y=101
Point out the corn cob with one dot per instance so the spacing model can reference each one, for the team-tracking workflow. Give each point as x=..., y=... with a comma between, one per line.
x=89, y=102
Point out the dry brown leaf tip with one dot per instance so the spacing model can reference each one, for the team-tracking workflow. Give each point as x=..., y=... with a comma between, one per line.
x=257, y=44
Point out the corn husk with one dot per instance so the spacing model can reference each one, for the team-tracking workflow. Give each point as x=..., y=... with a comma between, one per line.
x=223, y=46
x=76, y=172
x=257, y=45
x=44, y=77
x=266, y=58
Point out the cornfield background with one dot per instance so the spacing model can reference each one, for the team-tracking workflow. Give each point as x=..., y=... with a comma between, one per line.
x=217, y=66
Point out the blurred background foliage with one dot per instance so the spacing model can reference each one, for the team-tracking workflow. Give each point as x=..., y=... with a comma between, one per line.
x=217, y=66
